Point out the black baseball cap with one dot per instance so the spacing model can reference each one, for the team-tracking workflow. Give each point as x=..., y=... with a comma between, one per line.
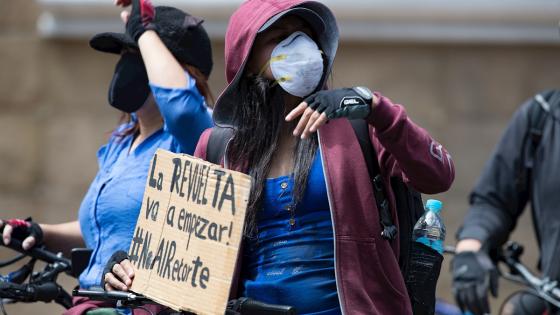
x=182, y=33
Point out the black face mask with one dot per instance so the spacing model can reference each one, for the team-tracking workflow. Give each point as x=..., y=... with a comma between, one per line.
x=129, y=87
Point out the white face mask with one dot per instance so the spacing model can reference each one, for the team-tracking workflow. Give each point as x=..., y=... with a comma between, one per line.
x=297, y=64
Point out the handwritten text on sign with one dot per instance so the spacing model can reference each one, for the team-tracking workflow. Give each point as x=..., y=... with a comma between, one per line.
x=188, y=233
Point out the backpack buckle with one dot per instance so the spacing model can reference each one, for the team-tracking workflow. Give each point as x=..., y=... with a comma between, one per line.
x=384, y=207
x=389, y=232
x=378, y=182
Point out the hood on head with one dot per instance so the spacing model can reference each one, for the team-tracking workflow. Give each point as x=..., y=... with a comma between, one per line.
x=243, y=27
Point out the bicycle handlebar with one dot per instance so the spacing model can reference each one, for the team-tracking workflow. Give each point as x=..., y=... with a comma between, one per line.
x=38, y=253
x=545, y=288
x=244, y=306
x=248, y=306
x=45, y=292
x=510, y=256
x=42, y=285
x=128, y=297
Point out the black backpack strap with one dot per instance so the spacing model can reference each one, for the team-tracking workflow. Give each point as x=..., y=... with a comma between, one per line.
x=538, y=113
x=536, y=117
x=217, y=143
x=389, y=230
x=541, y=107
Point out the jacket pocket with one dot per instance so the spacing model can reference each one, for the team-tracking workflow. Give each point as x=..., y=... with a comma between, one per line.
x=371, y=281
x=390, y=270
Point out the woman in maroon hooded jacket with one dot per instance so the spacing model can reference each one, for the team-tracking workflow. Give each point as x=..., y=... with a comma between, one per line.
x=313, y=237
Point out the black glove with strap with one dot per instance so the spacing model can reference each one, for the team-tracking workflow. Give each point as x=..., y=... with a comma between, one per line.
x=141, y=18
x=352, y=103
x=116, y=258
x=24, y=229
x=474, y=274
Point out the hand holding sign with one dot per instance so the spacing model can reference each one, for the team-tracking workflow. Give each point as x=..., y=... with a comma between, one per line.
x=118, y=272
x=187, y=237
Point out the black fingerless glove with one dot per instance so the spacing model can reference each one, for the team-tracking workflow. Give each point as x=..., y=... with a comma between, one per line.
x=25, y=228
x=474, y=274
x=116, y=258
x=141, y=18
x=352, y=103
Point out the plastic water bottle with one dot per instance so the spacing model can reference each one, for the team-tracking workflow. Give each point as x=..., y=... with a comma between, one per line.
x=430, y=230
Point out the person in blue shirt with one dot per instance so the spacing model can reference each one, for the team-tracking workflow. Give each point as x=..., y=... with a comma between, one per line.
x=160, y=83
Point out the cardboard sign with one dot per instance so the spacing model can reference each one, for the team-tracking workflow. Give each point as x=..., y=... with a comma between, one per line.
x=188, y=233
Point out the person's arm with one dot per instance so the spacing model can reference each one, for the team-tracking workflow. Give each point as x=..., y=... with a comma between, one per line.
x=57, y=237
x=183, y=108
x=408, y=150
x=63, y=237
x=184, y=113
x=497, y=201
x=468, y=245
x=404, y=148
x=162, y=67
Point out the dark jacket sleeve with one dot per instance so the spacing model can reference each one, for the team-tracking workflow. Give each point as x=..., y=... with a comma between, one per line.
x=498, y=199
x=407, y=150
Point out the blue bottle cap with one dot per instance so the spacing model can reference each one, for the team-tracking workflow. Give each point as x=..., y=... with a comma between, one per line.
x=434, y=205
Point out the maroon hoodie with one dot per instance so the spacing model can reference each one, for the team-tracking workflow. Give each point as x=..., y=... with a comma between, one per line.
x=367, y=273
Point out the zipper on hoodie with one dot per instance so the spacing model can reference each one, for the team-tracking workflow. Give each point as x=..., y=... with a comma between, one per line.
x=336, y=276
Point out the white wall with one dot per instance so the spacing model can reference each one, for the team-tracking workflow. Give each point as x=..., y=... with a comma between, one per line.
x=475, y=21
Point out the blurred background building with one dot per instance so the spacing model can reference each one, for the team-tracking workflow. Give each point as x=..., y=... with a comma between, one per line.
x=461, y=68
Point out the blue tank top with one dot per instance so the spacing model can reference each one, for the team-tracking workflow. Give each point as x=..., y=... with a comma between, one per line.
x=291, y=261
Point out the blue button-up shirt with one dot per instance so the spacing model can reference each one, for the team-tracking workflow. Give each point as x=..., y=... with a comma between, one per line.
x=109, y=211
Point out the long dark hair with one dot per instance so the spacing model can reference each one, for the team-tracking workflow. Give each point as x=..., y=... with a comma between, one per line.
x=259, y=118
